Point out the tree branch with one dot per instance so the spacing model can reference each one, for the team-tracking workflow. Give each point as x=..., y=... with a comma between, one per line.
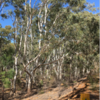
x=49, y=63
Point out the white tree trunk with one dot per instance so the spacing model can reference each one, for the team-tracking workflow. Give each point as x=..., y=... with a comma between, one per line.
x=25, y=41
x=47, y=73
x=40, y=24
x=20, y=73
x=88, y=71
x=15, y=76
x=83, y=70
x=16, y=58
x=21, y=39
x=29, y=85
x=30, y=24
x=70, y=69
x=58, y=69
x=45, y=18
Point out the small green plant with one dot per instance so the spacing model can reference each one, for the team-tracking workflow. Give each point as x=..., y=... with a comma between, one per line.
x=94, y=88
x=64, y=84
x=41, y=92
x=41, y=82
x=90, y=79
x=74, y=81
x=10, y=74
x=24, y=74
x=6, y=82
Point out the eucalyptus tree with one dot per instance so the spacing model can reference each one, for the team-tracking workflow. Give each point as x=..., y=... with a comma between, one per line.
x=16, y=16
x=47, y=27
x=51, y=22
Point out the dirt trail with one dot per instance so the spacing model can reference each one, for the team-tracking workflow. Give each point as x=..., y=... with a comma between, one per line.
x=50, y=95
x=60, y=92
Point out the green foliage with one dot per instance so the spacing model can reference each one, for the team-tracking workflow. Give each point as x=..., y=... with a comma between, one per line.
x=6, y=82
x=6, y=76
x=6, y=55
x=4, y=16
x=10, y=74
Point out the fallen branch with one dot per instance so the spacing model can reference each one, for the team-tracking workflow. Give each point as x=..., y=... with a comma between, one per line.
x=73, y=93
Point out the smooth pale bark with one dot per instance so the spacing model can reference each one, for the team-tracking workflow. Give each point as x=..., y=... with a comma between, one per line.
x=30, y=24
x=45, y=18
x=26, y=85
x=40, y=26
x=59, y=64
x=25, y=40
x=40, y=40
x=83, y=70
x=47, y=67
x=47, y=73
x=16, y=58
x=76, y=72
x=87, y=71
x=29, y=85
x=61, y=67
x=53, y=65
x=76, y=69
x=20, y=73
x=15, y=76
x=31, y=38
x=70, y=69
x=56, y=72
x=21, y=39
x=58, y=67
x=26, y=51
x=29, y=79
x=42, y=22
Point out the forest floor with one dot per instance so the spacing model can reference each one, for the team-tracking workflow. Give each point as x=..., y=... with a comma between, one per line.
x=62, y=93
x=59, y=93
